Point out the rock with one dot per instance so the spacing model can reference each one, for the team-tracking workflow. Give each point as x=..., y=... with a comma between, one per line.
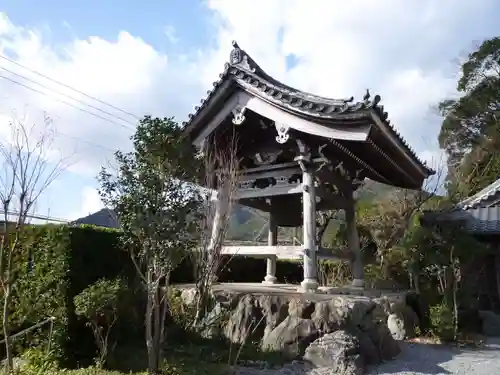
x=340, y=351
x=396, y=326
x=491, y=323
x=188, y=296
x=368, y=349
x=212, y=323
x=274, y=311
x=406, y=316
x=382, y=339
x=254, y=317
x=291, y=336
x=469, y=320
x=290, y=324
x=245, y=321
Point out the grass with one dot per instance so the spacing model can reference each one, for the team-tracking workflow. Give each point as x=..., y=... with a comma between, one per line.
x=192, y=355
x=183, y=355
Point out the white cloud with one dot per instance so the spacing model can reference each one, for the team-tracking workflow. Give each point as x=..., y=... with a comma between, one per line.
x=402, y=50
x=128, y=73
x=406, y=51
x=91, y=202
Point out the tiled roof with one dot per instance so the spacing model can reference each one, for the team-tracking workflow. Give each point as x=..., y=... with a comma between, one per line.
x=482, y=220
x=244, y=71
x=486, y=196
x=102, y=218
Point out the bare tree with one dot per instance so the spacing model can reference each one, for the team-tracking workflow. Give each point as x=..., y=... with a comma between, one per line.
x=221, y=176
x=27, y=172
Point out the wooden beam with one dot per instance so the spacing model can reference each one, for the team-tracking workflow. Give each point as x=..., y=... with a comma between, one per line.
x=268, y=191
x=281, y=252
x=288, y=172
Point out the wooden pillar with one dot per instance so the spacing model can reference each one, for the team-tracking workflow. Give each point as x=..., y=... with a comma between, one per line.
x=310, y=282
x=353, y=244
x=271, y=261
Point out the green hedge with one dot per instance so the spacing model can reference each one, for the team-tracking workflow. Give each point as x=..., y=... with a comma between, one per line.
x=55, y=264
x=243, y=269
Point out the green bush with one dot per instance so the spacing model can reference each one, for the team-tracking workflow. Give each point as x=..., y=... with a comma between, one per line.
x=100, y=304
x=38, y=361
x=442, y=321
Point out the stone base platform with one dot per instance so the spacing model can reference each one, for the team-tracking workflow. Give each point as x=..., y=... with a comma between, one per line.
x=357, y=327
x=324, y=293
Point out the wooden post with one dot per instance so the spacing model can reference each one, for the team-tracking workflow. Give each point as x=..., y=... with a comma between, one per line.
x=310, y=282
x=271, y=261
x=353, y=243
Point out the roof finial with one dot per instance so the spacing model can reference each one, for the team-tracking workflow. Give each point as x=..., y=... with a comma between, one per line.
x=367, y=95
x=236, y=55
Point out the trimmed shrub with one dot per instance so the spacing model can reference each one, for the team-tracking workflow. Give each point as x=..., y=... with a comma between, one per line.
x=56, y=263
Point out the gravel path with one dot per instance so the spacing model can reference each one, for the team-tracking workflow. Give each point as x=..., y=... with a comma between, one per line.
x=420, y=359
x=415, y=359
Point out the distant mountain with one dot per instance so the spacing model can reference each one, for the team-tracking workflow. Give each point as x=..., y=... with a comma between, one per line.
x=102, y=218
x=375, y=191
x=246, y=224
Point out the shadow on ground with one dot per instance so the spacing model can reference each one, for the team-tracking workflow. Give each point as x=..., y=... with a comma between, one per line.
x=189, y=353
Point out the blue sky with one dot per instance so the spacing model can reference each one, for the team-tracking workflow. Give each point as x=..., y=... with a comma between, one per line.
x=147, y=19
x=160, y=57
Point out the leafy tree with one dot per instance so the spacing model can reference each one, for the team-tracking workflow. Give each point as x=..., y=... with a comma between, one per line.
x=469, y=132
x=157, y=209
x=389, y=220
x=436, y=255
x=100, y=304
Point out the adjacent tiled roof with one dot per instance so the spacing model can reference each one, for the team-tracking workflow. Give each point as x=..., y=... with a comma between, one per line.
x=102, y=218
x=243, y=69
x=482, y=220
x=489, y=194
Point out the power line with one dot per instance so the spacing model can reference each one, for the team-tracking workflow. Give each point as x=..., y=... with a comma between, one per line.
x=85, y=141
x=67, y=96
x=69, y=87
x=64, y=102
x=34, y=216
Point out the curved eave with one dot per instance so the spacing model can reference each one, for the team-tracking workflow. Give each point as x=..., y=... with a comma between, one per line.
x=250, y=77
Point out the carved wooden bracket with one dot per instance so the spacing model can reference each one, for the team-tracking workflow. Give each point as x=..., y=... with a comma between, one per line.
x=283, y=135
x=238, y=115
x=304, y=157
x=345, y=179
